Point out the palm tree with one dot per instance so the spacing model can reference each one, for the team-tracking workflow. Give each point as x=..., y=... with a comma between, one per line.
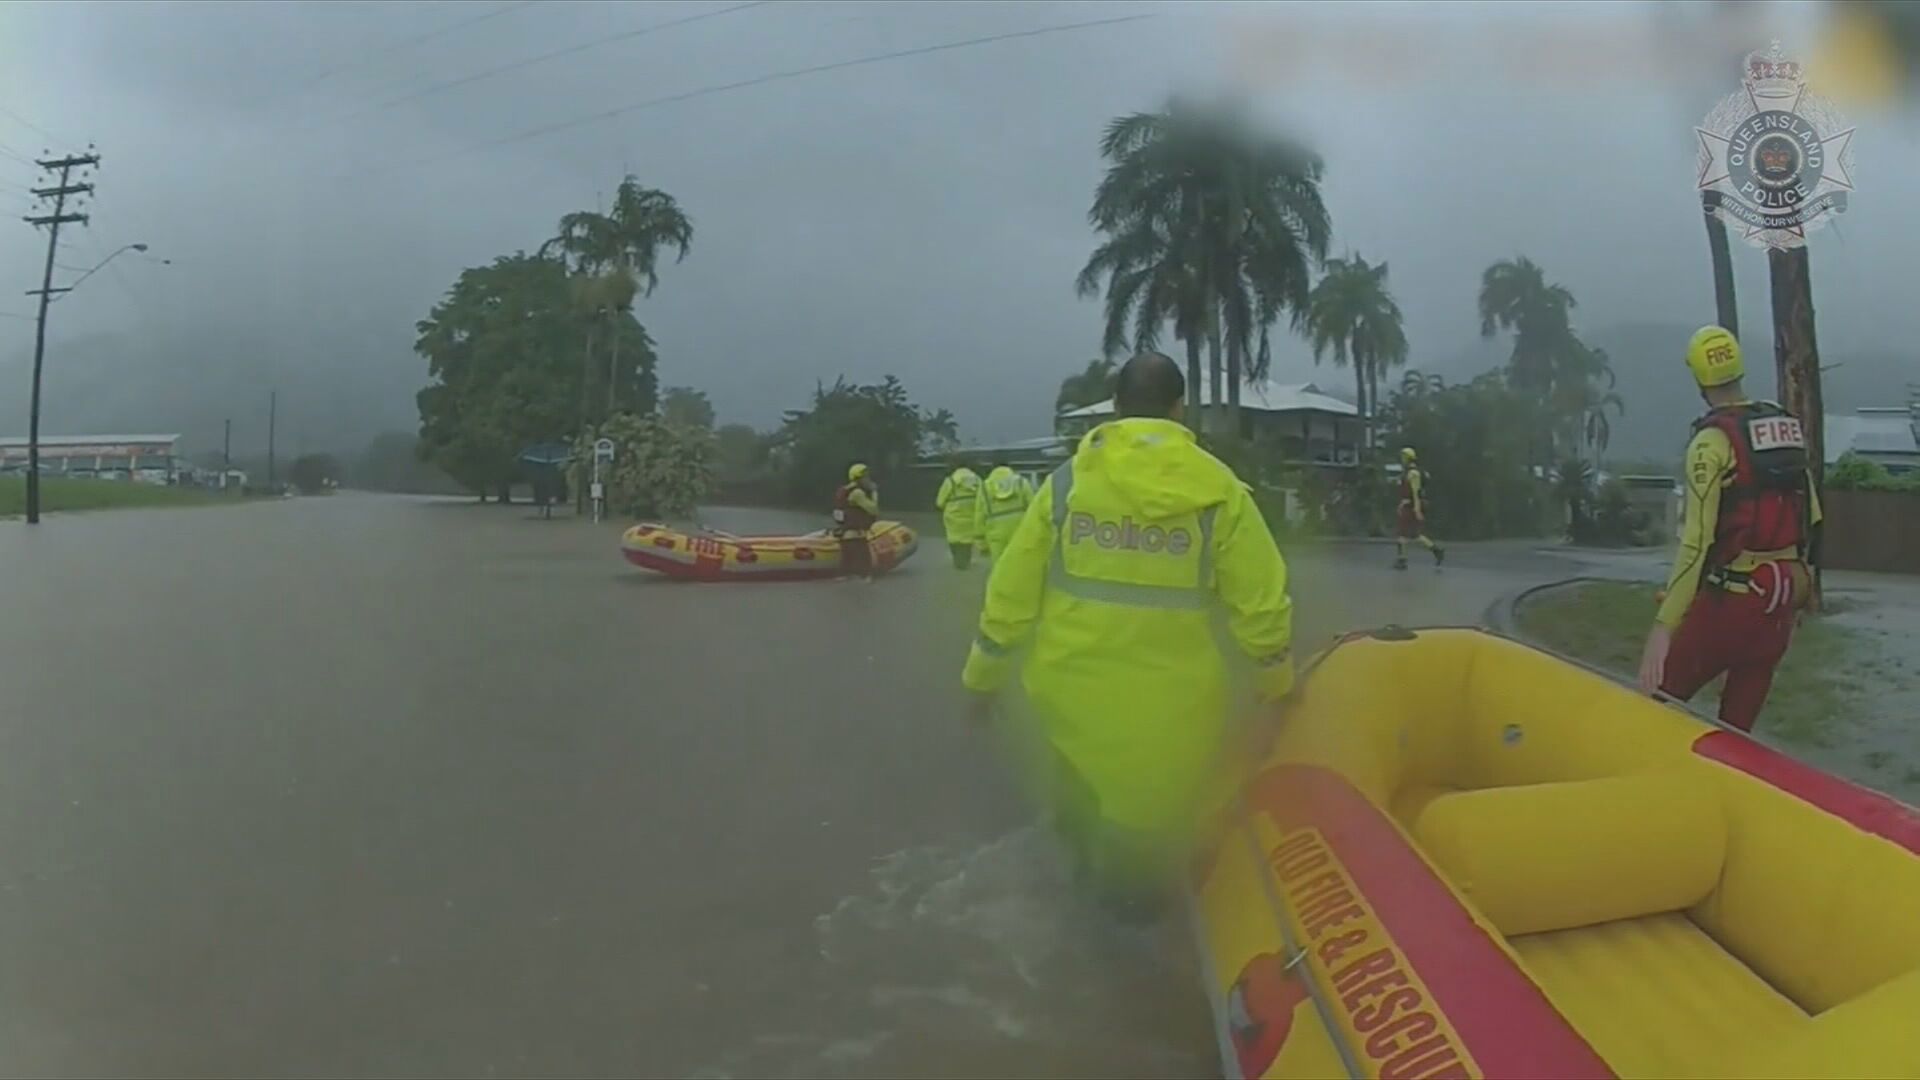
x=1147, y=284
x=621, y=247
x=1089, y=387
x=1515, y=295
x=1208, y=224
x=1352, y=314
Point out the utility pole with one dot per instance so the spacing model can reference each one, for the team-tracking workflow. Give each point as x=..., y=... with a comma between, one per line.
x=273, y=407
x=45, y=292
x=226, y=455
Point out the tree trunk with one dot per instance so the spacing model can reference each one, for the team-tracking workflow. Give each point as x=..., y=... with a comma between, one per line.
x=613, y=364
x=1726, y=311
x=506, y=492
x=1218, y=399
x=1193, y=382
x=586, y=392
x=1361, y=402
x=1796, y=353
x=1235, y=374
x=1373, y=400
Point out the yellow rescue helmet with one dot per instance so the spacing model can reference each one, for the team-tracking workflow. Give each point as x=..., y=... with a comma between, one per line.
x=1407, y=454
x=1714, y=357
x=856, y=472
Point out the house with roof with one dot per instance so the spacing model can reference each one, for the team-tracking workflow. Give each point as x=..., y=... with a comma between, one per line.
x=1888, y=436
x=1309, y=425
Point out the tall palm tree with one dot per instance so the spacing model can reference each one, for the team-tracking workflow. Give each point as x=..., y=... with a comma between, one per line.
x=1352, y=314
x=622, y=247
x=1515, y=295
x=1090, y=386
x=1210, y=224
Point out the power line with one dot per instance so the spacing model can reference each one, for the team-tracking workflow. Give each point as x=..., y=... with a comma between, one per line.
x=15, y=155
x=407, y=43
x=778, y=76
x=528, y=62
x=30, y=125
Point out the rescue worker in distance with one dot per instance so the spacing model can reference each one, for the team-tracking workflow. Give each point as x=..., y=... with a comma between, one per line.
x=1004, y=497
x=856, y=506
x=1411, y=523
x=956, y=502
x=1748, y=543
x=1111, y=584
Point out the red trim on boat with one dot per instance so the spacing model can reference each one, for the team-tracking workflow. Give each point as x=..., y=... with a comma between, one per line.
x=1503, y=1017
x=1870, y=811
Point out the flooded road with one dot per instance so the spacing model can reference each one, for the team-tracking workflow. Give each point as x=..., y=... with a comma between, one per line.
x=366, y=785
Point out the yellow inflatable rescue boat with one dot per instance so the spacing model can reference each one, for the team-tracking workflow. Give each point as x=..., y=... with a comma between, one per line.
x=719, y=556
x=1465, y=857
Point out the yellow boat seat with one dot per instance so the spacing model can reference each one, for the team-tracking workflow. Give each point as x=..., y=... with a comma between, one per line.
x=1555, y=856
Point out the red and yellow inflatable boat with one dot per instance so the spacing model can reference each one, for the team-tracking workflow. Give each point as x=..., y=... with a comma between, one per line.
x=1468, y=858
x=719, y=556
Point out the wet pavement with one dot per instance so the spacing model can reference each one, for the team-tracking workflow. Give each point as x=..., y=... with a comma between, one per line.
x=379, y=786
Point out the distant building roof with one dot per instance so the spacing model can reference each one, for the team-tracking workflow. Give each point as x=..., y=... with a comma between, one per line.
x=93, y=440
x=1259, y=397
x=1046, y=447
x=1870, y=432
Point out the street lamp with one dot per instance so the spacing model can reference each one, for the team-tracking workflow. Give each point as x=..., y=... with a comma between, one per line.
x=48, y=296
x=123, y=249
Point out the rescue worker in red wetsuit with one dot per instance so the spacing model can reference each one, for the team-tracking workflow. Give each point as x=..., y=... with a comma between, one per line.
x=1747, y=546
x=1411, y=518
x=856, y=506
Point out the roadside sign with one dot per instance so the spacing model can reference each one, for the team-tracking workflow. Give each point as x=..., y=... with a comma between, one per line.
x=603, y=449
x=599, y=490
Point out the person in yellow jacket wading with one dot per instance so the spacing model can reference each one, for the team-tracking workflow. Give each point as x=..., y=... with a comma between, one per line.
x=1112, y=583
x=1004, y=498
x=959, y=493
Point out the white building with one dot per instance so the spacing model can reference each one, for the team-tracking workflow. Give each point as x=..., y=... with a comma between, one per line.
x=1887, y=436
x=1310, y=426
x=148, y=458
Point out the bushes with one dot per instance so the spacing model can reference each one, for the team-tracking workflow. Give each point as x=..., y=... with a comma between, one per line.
x=1855, y=473
x=659, y=469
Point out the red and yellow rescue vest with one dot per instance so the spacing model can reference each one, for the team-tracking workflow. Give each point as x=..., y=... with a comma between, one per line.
x=1763, y=498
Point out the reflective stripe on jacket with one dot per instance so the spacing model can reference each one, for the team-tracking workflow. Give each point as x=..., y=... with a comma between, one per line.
x=1004, y=498
x=1114, y=579
x=955, y=502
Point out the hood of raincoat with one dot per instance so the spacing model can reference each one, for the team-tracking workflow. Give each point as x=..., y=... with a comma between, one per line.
x=1003, y=482
x=1155, y=465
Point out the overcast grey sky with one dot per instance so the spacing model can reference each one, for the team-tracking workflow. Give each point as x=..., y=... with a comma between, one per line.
x=923, y=217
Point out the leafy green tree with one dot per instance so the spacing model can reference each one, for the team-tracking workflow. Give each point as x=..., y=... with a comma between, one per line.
x=1515, y=295
x=1570, y=380
x=1352, y=314
x=1209, y=224
x=1089, y=387
x=1475, y=442
x=501, y=351
x=739, y=451
x=660, y=469
x=687, y=407
x=847, y=422
x=619, y=250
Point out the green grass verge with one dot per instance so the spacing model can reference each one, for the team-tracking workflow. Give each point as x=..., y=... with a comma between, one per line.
x=1605, y=624
x=59, y=494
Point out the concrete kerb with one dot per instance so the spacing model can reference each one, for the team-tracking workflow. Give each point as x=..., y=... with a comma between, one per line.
x=1503, y=615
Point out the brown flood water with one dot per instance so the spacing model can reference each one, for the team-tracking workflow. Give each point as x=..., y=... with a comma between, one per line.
x=380, y=786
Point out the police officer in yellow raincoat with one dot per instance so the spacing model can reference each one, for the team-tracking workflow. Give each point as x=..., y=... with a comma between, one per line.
x=1004, y=498
x=1112, y=585
x=958, y=494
